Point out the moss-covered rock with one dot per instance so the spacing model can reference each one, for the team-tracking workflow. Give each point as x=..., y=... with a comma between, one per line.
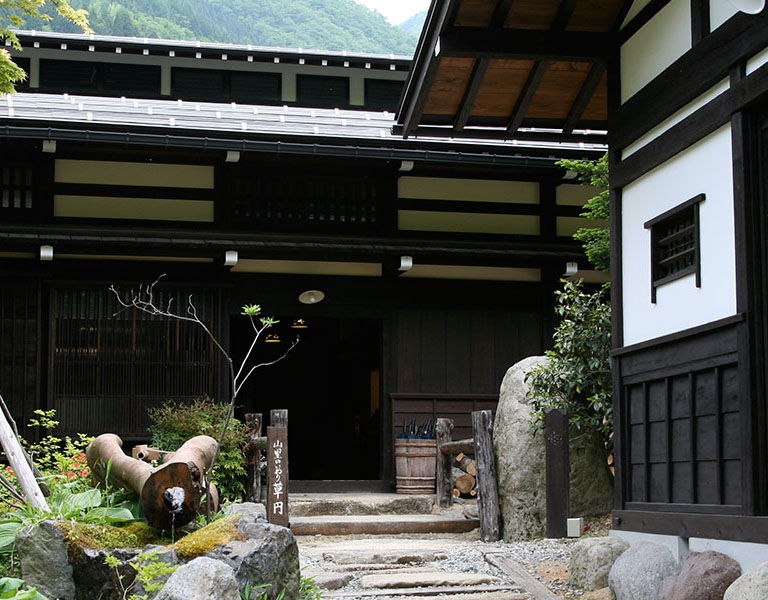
x=208, y=538
x=104, y=537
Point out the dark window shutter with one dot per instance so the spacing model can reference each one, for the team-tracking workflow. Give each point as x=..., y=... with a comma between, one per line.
x=255, y=87
x=382, y=94
x=68, y=74
x=314, y=90
x=24, y=64
x=199, y=84
x=131, y=78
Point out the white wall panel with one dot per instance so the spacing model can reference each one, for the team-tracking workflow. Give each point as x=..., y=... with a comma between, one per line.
x=705, y=167
x=661, y=41
x=719, y=12
x=757, y=61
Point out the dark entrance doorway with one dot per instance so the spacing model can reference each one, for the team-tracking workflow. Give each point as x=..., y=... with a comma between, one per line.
x=330, y=384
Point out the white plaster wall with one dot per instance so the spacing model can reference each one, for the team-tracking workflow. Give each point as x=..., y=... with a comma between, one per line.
x=636, y=7
x=661, y=41
x=705, y=167
x=747, y=554
x=719, y=12
x=757, y=61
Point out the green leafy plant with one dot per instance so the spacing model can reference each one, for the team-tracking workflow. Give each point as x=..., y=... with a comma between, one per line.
x=149, y=572
x=308, y=589
x=84, y=507
x=577, y=376
x=174, y=423
x=596, y=240
x=10, y=587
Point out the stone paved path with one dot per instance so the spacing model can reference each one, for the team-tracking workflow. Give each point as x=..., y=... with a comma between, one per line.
x=431, y=567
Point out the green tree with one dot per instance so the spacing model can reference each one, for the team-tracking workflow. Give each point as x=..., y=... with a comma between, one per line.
x=14, y=13
x=577, y=376
x=596, y=240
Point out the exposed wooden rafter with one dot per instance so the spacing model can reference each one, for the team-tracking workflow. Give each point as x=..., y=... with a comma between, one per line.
x=586, y=92
x=500, y=14
x=559, y=24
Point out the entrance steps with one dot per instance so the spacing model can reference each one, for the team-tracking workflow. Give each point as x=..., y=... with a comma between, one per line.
x=374, y=514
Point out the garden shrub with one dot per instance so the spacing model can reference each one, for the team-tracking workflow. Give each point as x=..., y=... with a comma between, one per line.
x=174, y=423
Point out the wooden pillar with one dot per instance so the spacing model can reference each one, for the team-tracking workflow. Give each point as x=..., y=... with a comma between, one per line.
x=253, y=458
x=487, y=486
x=558, y=472
x=277, y=475
x=278, y=417
x=18, y=462
x=443, y=429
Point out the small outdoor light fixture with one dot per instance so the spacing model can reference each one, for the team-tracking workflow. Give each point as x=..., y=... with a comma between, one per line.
x=571, y=268
x=49, y=146
x=406, y=165
x=311, y=297
x=272, y=338
x=230, y=258
x=299, y=324
x=406, y=263
x=233, y=156
x=570, y=174
x=46, y=252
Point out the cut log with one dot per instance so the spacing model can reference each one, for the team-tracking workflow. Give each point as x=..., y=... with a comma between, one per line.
x=171, y=493
x=456, y=493
x=466, y=464
x=463, y=481
x=458, y=446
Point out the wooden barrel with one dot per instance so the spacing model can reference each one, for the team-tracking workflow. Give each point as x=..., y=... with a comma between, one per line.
x=415, y=466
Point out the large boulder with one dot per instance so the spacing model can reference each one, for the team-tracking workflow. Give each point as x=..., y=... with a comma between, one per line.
x=519, y=457
x=521, y=467
x=150, y=557
x=268, y=554
x=201, y=579
x=752, y=585
x=703, y=576
x=44, y=562
x=592, y=559
x=95, y=580
x=640, y=572
x=255, y=509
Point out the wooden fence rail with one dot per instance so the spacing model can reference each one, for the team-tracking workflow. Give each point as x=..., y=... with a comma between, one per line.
x=487, y=487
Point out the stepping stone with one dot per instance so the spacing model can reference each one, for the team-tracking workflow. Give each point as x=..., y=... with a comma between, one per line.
x=481, y=592
x=380, y=524
x=391, y=557
x=425, y=579
x=307, y=505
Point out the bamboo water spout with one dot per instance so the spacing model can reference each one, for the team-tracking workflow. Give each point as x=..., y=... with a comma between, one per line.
x=171, y=494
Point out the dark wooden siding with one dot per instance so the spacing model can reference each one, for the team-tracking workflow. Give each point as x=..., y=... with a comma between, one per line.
x=110, y=79
x=680, y=424
x=19, y=347
x=109, y=364
x=448, y=363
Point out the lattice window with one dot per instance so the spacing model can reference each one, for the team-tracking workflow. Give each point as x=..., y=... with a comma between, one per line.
x=17, y=189
x=675, y=244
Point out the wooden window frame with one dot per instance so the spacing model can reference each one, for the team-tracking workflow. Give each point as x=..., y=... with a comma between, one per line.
x=656, y=225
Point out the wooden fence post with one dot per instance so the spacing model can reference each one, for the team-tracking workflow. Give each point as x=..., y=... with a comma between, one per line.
x=487, y=486
x=278, y=417
x=443, y=429
x=558, y=472
x=253, y=458
x=20, y=466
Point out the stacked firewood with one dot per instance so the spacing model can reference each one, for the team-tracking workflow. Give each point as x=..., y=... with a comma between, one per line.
x=464, y=477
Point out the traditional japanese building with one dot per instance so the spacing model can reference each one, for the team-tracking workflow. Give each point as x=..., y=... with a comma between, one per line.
x=687, y=94
x=414, y=271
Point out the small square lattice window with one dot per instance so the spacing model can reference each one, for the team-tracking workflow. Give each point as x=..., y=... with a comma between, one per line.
x=16, y=189
x=675, y=244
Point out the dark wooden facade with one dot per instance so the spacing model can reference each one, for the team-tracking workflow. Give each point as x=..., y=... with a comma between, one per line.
x=132, y=188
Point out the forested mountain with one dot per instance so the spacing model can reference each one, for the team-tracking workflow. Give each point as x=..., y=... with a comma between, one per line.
x=311, y=24
x=415, y=23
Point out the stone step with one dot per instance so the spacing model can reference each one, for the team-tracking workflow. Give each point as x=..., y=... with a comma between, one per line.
x=358, y=559
x=428, y=578
x=309, y=505
x=380, y=524
x=502, y=592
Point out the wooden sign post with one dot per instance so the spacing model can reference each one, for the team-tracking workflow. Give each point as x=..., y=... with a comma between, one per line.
x=277, y=475
x=558, y=472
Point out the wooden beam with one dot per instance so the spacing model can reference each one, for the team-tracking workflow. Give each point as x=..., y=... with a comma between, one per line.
x=525, y=44
x=487, y=486
x=470, y=94
x=699, y=20
x=443, y=429
x=563, y=16
x=501, y=12
x=622, y=15
x=487, y=133
x=586, y=92
x=424, y=69
x=526, y=97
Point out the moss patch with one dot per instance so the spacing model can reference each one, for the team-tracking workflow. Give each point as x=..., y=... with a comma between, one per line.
x=104, y=537
x=209, y=537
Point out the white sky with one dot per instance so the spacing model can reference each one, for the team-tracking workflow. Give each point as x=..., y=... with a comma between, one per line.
x=396, y=11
